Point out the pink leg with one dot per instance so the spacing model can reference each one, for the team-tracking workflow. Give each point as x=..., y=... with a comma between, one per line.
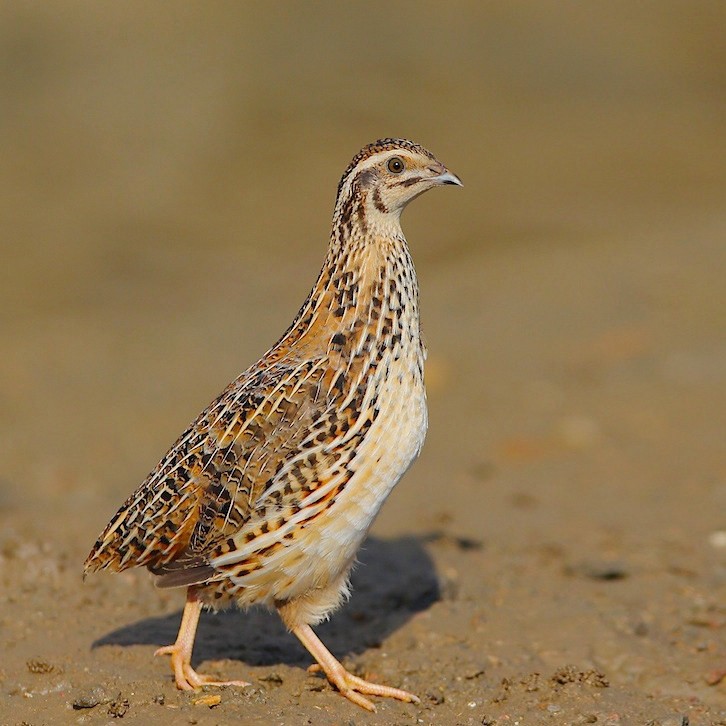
x=349, y=685
x=187, y=679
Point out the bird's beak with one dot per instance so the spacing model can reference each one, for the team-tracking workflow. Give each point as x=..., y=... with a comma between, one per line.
x=448, y=178
x=444, y=176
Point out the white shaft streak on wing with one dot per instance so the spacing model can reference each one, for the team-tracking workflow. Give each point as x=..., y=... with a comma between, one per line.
x=243, y=474
x=182, y=443
x=309, y=304
x=316, y=396
x=352, y=393
x=250, y=418
x=278, y=389
x=375, y=292
x=320, y=492
x=265, y=401
x=157, y=526
x=330, y=446
x=279, y=480
x=329, y=350
x=351, y=359
x=360, y=344
x=242, y=389
x=359, y=422
x=266, y=540
x=241, y=479
x=327, y=447
x=363, y=336
x=151, y=546
x=382, y=315
x=170, y=474
x=313, y=318
x=321, y=363
x=152, y=480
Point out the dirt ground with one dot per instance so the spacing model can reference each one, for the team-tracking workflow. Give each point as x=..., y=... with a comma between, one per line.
x=558, y=553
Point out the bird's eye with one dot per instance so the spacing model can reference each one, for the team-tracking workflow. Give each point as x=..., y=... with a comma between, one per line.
x=396, y=165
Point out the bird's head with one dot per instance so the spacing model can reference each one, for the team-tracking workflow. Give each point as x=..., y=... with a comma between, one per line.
x=384, y=177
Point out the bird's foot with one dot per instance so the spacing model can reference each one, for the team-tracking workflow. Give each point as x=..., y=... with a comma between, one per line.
x=187, y=679
x=353, y=687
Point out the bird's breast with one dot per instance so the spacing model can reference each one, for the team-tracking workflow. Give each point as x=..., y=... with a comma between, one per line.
x=395, y=403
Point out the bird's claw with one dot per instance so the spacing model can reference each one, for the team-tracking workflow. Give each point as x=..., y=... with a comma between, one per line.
x=353, y=688
x=186, y=678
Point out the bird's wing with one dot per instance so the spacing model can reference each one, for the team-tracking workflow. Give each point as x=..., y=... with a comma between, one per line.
x=206, y=486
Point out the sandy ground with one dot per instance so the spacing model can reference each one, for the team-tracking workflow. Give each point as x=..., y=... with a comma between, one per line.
x=558, y=553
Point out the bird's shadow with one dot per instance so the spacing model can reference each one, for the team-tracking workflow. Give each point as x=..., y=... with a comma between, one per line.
x=393, y=580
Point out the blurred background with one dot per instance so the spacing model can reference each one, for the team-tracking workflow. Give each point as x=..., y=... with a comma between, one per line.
x=168, y=174
x=168, y=178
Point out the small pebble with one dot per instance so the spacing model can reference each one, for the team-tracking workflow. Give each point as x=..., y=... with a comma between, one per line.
x=39, y=666
x=472, y=675
x=599, y=570
x=210, y=701
x=118, y=707
x=713, y=678
x=90, y=698
x=274, y=678
x=677, y=721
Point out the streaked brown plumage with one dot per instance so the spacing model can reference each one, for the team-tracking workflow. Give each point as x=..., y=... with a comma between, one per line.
x=267, y=496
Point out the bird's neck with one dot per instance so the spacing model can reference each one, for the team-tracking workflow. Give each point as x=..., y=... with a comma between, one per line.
x=366, y=289
x=361, y=215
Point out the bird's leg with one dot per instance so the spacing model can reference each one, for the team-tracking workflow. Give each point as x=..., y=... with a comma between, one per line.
x=349, y=685
x=187, y=679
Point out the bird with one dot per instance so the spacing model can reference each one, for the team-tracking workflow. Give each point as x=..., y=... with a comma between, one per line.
x=267, y=496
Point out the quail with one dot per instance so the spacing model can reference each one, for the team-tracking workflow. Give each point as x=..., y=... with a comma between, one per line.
x=267, y=496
